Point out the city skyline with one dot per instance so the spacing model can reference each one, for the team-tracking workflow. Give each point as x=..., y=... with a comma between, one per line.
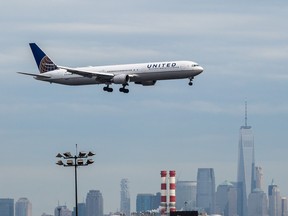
x=255, y=182
x=206, y=181
x=259, y=203
x=242, y=47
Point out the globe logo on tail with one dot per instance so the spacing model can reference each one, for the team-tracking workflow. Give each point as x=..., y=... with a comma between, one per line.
x=46, y=65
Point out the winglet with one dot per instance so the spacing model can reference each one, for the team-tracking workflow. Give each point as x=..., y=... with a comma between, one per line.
x=43, y=62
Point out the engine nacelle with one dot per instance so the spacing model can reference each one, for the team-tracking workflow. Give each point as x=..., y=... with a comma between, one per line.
x=147, y=83
x=121, y=79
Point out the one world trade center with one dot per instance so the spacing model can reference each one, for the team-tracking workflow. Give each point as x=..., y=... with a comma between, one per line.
x=246, y=166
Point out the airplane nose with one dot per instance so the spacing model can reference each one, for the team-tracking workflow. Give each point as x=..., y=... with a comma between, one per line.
x=200, y=69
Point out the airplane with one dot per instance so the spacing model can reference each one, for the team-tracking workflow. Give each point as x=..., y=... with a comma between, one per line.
x=146, y=74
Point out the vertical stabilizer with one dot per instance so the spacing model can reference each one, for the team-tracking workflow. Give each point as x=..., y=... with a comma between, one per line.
x=44, y=63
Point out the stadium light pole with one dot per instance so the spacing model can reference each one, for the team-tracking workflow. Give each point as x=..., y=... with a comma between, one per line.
x=79, y=159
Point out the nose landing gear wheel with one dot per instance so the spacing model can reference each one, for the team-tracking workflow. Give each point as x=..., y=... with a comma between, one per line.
x=190, y=82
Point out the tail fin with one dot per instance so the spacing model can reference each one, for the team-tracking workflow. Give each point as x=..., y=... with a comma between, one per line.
x=43, y=62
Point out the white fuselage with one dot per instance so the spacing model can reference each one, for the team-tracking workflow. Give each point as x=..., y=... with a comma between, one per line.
x=138, y=73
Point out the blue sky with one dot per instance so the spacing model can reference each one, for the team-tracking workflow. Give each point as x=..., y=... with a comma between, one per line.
x=241, y=45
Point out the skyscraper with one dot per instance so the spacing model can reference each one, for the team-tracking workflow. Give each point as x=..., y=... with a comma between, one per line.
x=125, y=197
x=94, y=203
x=258, y=177
x=145, y=202
x=186, y=195
x=205, y=198
x=246, y=166
x=23, y=207
x=274, y=200
x=7, y=207
x=257, y=203
x=284, y=206
x=226, y=199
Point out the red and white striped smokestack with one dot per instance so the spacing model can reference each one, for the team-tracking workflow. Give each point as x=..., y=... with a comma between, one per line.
x=172, y=194
x=163, y=191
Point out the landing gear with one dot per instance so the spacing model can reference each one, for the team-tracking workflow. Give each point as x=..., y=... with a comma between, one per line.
x=123, y=89
x=107, y=88
x=190, y=82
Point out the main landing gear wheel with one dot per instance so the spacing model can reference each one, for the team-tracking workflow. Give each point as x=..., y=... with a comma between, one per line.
x=108, y=89
x=123, y=89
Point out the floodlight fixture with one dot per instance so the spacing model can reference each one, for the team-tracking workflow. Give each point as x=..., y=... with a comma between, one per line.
x=70, y=162
x=80, y=162
x=60, y=163
x=89, y=161
x=90, y=154
x=82, y=154
x=67, y=155
x=59, y=155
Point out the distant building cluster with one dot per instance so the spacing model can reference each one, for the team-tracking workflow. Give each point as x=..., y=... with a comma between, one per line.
x=243, y=197
x=23, y=207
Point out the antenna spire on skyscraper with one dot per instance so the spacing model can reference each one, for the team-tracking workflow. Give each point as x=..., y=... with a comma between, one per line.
x=245, y=113
x=245, y=126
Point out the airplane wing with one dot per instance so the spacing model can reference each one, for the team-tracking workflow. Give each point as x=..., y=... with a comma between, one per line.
x=87, y=73
x=35, y=75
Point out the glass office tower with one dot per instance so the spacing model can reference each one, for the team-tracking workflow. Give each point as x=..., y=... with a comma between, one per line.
x=274, y=200
x=94, y=203
x=6, y=207
x=205, y=198
x=186, y=195
x=125, y=197
x=23, y=207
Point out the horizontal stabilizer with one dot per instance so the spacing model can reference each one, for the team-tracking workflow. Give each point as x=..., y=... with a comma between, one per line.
x=35, y=75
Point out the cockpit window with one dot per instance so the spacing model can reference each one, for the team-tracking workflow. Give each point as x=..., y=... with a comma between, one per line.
x=195, y=65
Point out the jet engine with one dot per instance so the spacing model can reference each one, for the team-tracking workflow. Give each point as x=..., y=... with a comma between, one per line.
x=121, y=79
